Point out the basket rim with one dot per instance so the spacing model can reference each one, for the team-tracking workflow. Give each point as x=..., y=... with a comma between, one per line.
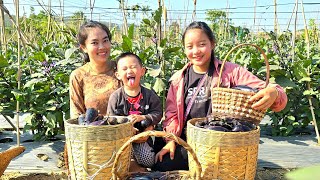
x=208, y=130
x=232, y=90
x=163, y=134
x=108, y=125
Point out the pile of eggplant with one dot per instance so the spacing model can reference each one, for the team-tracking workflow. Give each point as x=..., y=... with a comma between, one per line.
x=245, y=88
x=226, y=124
x=92, y=117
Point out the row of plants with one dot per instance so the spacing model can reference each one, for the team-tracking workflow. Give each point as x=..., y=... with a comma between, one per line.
x=48, y=59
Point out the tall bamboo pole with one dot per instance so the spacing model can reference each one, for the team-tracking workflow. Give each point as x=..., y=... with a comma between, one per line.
x=164, y=13
x=49, y=18
x=3, y=43
x=91, y=8
x=226, y=23
x=254, y=15
x=125, y=25
x=308, y=72
x=185, y=19
x=19, y=70
x=275, y=17
x=293, y=10
x=62, y=11
x=194, y=10
x=293, y=41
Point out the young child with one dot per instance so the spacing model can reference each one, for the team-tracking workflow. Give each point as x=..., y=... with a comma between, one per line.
x=199, y=43
x=136, y=102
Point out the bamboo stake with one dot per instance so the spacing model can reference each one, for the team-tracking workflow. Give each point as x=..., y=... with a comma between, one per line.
x=275, y=17
x=164, y=12
x=19, y=70
x=294, y=32
x=308, y=72
x=185, y=19
x=2, y=29
x=49, y=18
x=91, y=8
x=194, y=10
x=62, y=11
x=225, y=30
x=125, y=24
x=254, y=15
x=291, y=16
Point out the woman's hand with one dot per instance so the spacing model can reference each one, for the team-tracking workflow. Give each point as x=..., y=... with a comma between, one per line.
x=149, y=128
x=170, y=147
x=265, y=98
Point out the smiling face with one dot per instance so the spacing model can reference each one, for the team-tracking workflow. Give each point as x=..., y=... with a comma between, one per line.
x=198, y=49
x=130, y=71
x=97, y=45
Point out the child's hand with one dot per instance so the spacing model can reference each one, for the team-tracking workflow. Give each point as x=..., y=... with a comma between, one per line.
x=170, y=147
x=265, y=97
x=136, y=118
x=150, y=128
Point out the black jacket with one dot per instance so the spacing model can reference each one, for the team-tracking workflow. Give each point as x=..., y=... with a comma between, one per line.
x=150, y=104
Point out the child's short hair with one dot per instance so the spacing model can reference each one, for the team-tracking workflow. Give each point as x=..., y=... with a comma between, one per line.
x=125, y=54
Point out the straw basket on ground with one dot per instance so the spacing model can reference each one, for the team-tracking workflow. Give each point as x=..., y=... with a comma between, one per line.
x=228, y=155
x=174, y=175
x=224, y=155
x=235, y=103
x=7, y=155
x=92, y=149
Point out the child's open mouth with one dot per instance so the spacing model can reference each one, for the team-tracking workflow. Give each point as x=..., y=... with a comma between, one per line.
x=131, y=80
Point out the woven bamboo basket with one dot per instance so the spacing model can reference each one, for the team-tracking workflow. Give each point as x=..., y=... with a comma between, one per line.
x=174, y=175
x=7, y=155
x=235, y=103
x=92, y=149
x=224, y=155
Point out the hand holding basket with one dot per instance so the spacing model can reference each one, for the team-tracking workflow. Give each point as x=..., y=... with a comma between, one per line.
x=235, y=103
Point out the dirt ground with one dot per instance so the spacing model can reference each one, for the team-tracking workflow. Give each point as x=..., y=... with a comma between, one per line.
x=262, y=174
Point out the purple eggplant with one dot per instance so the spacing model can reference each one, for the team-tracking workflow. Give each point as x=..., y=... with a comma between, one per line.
x=112, y=120
x=237, y=128
x=91, y=115
x=218, y=128
x=81, y=119
x=121, y=120
x=245, y=88
x=99, y=123
x=201, y=124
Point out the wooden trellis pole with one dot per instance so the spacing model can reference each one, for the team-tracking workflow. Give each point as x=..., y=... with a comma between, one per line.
x=3, y=43
x=275, y=17
x=91, y=8
x=19, y=70
x=254, y=15
x=194, y=10
x=308, y=72
x=49, y=18
x=293, y=10
x=125, y=24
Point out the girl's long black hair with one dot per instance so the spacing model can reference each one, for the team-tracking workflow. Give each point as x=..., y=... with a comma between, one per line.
x=207, y=30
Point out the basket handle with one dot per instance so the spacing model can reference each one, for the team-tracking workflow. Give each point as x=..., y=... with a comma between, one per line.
x=163, y=134
x=247, y=44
